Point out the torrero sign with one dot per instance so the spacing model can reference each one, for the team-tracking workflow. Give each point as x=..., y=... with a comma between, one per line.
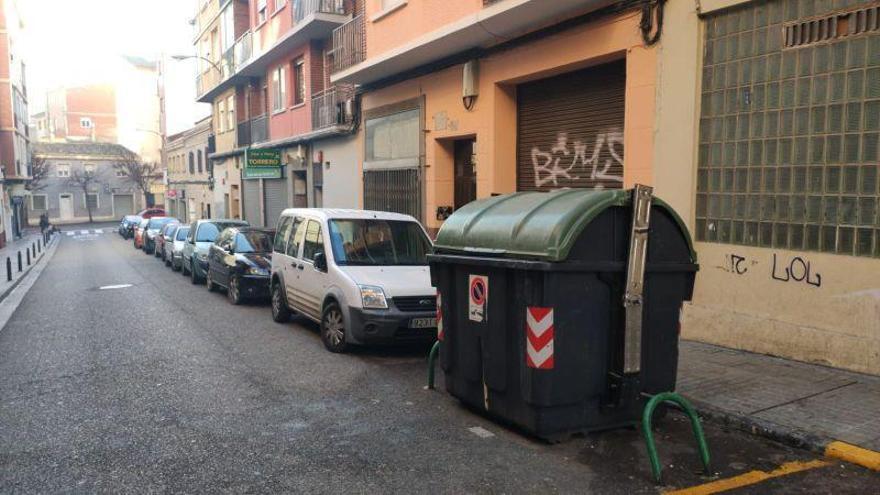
x=262, y=164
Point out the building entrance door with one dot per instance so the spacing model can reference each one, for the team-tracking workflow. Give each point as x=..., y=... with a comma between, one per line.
x=66, y=206
x=465, y=172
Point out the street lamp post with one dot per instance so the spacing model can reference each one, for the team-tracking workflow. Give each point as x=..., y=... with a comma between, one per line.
x=199, y=57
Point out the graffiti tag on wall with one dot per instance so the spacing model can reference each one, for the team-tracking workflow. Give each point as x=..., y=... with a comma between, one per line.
x=574, y=160
x=797, y=269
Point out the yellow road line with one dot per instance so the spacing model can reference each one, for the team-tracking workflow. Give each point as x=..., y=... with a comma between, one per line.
x=750, y=478
x=856, y=455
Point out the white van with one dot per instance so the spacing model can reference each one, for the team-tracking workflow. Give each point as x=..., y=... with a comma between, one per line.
x=363, y=275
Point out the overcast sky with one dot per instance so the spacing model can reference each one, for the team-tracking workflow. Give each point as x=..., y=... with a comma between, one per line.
x=69, y=42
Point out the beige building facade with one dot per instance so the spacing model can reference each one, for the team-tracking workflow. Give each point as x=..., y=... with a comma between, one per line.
x=189, y=194
x=766, y=139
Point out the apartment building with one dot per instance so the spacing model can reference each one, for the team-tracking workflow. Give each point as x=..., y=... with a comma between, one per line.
x=756, y=120
x=462, y=100
x=771, y=155
x=282, y=130
x=123, y=109
x=15, y=160
x=109, y=193
x=190, y=181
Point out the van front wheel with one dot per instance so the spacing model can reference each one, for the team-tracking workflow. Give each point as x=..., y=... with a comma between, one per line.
x=333, y=329
x=280, y=313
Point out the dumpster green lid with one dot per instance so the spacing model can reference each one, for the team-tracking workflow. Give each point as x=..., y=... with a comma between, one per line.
x=534, y=225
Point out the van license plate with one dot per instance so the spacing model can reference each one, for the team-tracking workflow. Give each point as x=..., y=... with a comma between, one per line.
x=423, y=323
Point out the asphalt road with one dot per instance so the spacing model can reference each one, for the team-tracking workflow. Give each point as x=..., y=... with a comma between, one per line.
x=165, y=387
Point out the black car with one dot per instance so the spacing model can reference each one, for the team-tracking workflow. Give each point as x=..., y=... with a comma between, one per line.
x=240, y=260
x=127, y=225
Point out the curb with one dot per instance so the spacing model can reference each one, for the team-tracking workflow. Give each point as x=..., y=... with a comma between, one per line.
x=24, y=274
x=793, y=437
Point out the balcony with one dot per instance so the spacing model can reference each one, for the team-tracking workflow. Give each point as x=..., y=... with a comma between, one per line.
x=312, y=20
x=302, y=9
x=332, y=107
x=481, y=29
x=349, y=45
x=243, y=50
x=253, y=131
x=206, y=81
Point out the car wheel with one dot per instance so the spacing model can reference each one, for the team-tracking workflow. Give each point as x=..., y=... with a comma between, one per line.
x=209, y=283
x=167, y=262
x=233, y=291
x=280, y=311
x=333, y=329
x=183, y=267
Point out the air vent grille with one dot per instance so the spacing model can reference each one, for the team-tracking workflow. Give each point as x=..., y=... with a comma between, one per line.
x=831, y=27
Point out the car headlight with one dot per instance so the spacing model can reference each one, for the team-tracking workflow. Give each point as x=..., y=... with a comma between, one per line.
x=256, y=270
x=373, y=297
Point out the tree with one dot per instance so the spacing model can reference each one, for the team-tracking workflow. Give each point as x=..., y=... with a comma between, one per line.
x=84, y=180
x=39, y=173
x=140, y=174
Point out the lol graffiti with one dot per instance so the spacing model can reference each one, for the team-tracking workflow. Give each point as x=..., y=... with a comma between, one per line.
x=572, y=161
x=795, y=270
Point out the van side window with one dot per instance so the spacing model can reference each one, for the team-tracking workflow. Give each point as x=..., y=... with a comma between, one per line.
x=282, y=235
x=314, y=241
x=191, y=235
x=297, y=232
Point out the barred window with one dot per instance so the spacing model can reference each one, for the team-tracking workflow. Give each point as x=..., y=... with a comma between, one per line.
x=788, y=151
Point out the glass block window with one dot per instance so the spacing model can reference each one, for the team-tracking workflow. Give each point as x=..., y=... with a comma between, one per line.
x=789, y=136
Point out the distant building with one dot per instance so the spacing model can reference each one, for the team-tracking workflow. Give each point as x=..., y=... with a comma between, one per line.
x=124, y=110
x=14, y=132
x=111, y=197
x=188, y=194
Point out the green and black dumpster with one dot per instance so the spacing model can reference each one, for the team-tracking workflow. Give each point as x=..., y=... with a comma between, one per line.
x=560, y=311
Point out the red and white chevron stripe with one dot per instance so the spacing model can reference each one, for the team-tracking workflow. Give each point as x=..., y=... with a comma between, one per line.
x=439, y=317
x=539, y=338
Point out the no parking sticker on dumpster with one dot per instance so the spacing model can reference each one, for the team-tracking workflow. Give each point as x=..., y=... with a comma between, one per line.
x=479, y=294
x=539, y=338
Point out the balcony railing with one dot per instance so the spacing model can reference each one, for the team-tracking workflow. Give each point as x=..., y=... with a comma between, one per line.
x=259, y=129
x=349, y=44
x=331, y=107
x=305, y=8
x=243, y=50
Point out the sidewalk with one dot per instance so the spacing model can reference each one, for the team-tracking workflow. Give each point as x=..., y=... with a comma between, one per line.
x=797, y=403
x=11, y=250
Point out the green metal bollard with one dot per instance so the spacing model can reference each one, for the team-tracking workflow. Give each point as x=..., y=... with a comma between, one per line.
x=648, y=414
x=432, y=357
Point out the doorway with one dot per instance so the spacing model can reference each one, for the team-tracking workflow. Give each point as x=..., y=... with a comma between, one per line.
x=465, y=171
x=66, y=206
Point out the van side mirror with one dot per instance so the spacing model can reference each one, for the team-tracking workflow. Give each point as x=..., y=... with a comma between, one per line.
x=320, y=262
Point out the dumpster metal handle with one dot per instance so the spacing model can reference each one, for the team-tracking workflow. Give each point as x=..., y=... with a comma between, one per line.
x=635, y=278
x=686, y=406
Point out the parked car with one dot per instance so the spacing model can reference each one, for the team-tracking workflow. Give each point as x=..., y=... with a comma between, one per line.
x=154, y=227
x=138, y=234
x=127, y=224
x=202, y=234
x=240, y=261
x=163, y=237
x=366, y=282
x=152, y=212
x=174, y=249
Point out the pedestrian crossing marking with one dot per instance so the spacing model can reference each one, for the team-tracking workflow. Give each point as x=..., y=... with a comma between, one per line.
x=71, y=233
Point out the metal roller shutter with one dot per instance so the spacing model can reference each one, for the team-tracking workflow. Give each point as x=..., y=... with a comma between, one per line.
x=251, y=200
x=275, y=192
x=123, y=204
x=570, y=130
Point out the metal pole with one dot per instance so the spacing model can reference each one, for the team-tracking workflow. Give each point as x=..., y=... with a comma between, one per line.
x=8, y=269
x=27, y=253
x=19, y=261
x=432, y=357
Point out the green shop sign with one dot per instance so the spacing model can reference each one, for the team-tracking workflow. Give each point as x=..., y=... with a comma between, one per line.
x=262, y=164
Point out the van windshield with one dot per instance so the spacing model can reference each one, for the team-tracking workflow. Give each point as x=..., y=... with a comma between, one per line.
x=371, y=242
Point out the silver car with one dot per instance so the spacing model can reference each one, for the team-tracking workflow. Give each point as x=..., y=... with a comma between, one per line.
x=174, y=248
